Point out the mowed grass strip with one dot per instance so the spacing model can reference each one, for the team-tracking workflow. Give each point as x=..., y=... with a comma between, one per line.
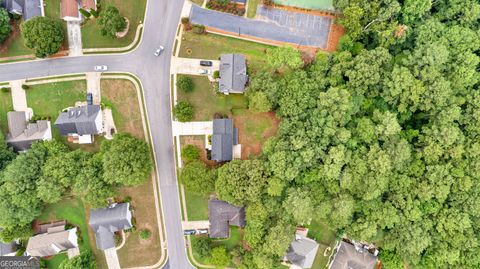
x=5, y=106
x=206, y=103
x=133, y=10
x=252, y=8
x=210, y=46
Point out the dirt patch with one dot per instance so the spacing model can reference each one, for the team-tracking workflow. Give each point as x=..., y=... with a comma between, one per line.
x=121, y=96
x=336, y=32
x=199, y=142
x=253, y=130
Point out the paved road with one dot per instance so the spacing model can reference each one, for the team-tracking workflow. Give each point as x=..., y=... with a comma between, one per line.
x=273, y=24
x=161, y=22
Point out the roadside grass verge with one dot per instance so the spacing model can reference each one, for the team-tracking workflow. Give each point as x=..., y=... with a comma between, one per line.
x=210, y=46
x=5, y=106
x=252, y=8
x=133, y=10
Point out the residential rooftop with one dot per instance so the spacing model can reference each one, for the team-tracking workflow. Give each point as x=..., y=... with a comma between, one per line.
x=222, y=215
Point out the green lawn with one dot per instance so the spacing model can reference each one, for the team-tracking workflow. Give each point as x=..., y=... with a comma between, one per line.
x=210, y=46
x=133, y=10
x=252, y=8
x=5, y=106
x=73, y=211
x=52, y=8
x=206, y=102
x=254, y=129
x=15, y=44
x=197, y=206
x=320, y=261
x=308, y=4
x=319, y=231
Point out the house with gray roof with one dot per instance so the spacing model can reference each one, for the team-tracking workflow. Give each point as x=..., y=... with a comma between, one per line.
x=352, y=256
x=54, y=241
x=81, y=123
x=22, y=134
x=302, y=251
x=233, y=74
x=222, y=215
x=224, y=137
x=106, y=221
x=8, y=249
x=25, y=8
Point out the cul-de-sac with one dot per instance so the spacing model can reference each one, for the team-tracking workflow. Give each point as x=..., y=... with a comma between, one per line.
x=239, y=134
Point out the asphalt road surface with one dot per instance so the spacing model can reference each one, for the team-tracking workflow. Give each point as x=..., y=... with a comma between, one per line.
x=160, y=28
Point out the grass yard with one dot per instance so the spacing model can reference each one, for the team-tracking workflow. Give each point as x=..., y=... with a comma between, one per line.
x=197, y=206
x=5, y=106
x=206, y=102
x=121, y=96
x=210, y=46
x=52, y=8
x=73, y=211
x=321, y=261
x=15, y=44
x=252, y=8
x=308, y=4
x=320, y=232
x=136, y=251
x=133, y=10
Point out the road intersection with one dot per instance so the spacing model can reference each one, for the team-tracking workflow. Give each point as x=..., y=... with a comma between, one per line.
x=160, y=27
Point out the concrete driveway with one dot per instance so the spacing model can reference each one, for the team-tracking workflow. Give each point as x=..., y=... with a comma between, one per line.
x=74, y=38
x=192, y=128
x=195, y=225
x=272, y=24
x=112, y=258
x=192, y=66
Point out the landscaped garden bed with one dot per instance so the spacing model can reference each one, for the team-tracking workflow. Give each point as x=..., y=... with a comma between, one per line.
x=226, y=6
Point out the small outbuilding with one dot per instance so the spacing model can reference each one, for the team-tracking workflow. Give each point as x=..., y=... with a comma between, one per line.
x=22, y=134
x=222, y=215
x=233, y=74
x=105, y=222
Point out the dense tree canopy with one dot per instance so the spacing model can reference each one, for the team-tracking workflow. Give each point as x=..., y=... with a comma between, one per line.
x=111, y=22
x=43, y=34
x=5, y=28
x=380, y=139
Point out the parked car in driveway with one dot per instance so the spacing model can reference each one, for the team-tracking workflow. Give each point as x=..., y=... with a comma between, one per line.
x=206, y=63
x=159, y=50
x=204, y=72
x=202, y=231
x=89, y=98
x=189, y=232
x=100, y=68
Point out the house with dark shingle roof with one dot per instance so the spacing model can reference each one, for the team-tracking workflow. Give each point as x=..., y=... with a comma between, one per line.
x=302, y=251
x=54, y=241
x=106, y=221
x=81, y=123
x=222, y=215
x=25, y=8
x=233, y=74
x=352, y=256
x=22, y=134
x=224, y=137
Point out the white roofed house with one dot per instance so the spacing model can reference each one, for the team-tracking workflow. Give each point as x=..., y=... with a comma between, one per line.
x=22, y=133
x=54, y=241
x=81, y=124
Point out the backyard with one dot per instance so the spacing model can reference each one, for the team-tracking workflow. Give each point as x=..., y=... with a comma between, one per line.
x=133, y=10
x=320, y=232
x=235, y=240
x=5, y=106
x=73, y=211
x=210, y=46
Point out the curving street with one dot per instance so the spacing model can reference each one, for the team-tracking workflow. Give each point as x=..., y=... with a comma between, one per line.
x=160, y=26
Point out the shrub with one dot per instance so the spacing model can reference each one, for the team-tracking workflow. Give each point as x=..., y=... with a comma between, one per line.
x=198, y=178
x=220, y=256
x=127, y=199
x=25, y=87
x=43, y=34
x=190, y=153
x=5, y=27
x=5, y=89
x=202, y=245
x=85, y=13
x=111, y=22
x=185, y=20
x=185, y=83
x=95, y=13
x=145, y=234
x=183, y=111
x=118, y=239
x=267, y=3
x=216, y=74
x=198, y=29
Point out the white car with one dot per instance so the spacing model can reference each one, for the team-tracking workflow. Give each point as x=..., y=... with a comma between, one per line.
x=100, y=68
x=204, y=72
x=158, y=51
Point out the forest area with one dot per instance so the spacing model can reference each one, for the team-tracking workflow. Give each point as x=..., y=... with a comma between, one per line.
x=380, y=138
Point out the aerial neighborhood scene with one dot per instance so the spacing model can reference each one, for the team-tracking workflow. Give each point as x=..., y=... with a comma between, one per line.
x=240, y=134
